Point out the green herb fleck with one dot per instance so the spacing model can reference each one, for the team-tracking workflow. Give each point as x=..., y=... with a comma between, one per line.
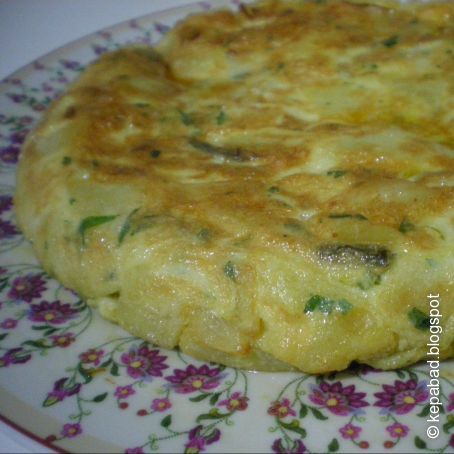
x=273, y=189
x=360, y=217
x=185, y=118
x=221, y=118
x=419, y=319
x=126, y=227
x=155, y=153
x=95, y=163
x=240, y=76
x=204, y=234
x=294, y=227
x=336, y=173
x=66, y=161
x=369, y=280
x=327, y=305
x=406, y=226
x=391, y=41
x=142, y=104
x=230, y=270
x=72, y=201
x=93, y=221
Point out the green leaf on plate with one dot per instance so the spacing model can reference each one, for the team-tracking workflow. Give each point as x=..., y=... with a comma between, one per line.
x=100, y=397
x=334, y=445
x=318, y=414
x=294, y=427
x=303, y=411
x=425, y=411
x=166, y=421
x=114, y=370
x=199, y=398
x=419, y=443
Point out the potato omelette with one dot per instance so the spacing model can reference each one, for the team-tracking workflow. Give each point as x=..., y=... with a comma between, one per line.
x=270, y=188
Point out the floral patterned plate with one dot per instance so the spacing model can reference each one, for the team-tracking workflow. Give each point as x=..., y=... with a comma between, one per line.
x=77, y=383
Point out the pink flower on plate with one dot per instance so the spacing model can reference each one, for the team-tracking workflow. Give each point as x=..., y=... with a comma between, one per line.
x=338, y=399
x=194, y=379
x=123, y=392
x=9, y=323
x=136, y=450
x=450, y=406
x=161, y=404
x=63, y=340
x=14, y=356
x=18, y=137
x=235, y=402
x=281, y=409
x=7, y=230
x=350, y=432
x=17, y=97
x=401, y=397
x=199, y=438
x=398, y=430
x=71, y=430
x=62, y=389
x=54, y=313
x=6, y=202
x=72, y=64
x=92, y=356
x=26, y=288
x=9, y=155
x=143, y=362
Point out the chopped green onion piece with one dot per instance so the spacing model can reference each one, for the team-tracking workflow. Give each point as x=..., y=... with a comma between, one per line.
x=406, y=226
x=126, y=227
x=326, y=305
x=347, y=216
x=391, y=41
x=204, y=234
x=93, y=221
x=230, y=270
x=221, y=118
x=185, y=118
x=336, y=173
x=419, y=319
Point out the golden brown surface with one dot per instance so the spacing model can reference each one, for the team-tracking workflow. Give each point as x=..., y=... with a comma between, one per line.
x=269, y=189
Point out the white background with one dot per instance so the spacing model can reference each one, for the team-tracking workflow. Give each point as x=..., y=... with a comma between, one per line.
x=31, y=28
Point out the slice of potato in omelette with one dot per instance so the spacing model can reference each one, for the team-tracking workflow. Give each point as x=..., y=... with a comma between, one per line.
x=270, y=188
